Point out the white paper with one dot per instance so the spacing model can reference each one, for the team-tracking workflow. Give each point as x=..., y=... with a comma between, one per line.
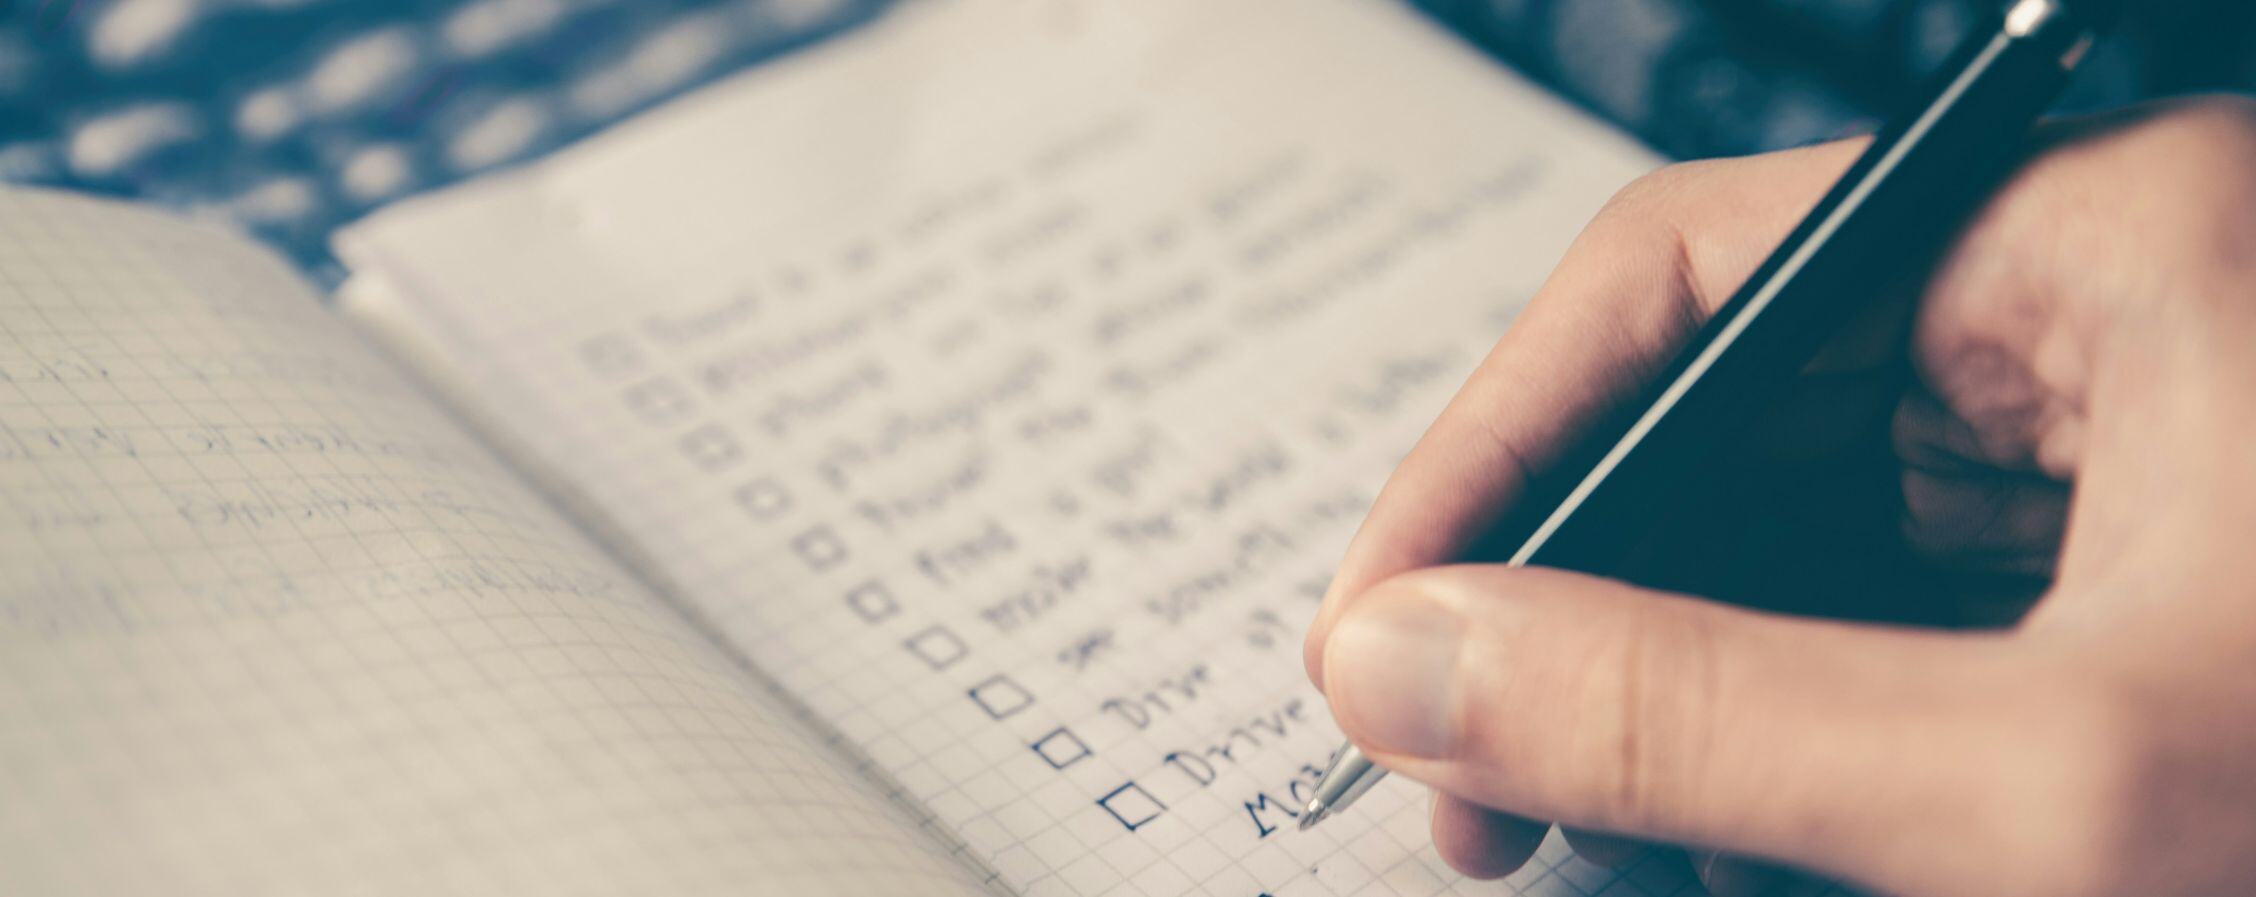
x=1005, y=381
x=270, y=623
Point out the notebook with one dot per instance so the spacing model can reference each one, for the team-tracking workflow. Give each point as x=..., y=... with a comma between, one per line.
x=908, y=468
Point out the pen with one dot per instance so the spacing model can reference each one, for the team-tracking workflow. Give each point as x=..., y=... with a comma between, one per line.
x=1911, y=190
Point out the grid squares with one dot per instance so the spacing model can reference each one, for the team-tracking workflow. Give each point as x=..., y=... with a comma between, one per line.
x=316, y=591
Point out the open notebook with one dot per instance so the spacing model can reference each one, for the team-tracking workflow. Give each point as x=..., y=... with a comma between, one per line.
x=907, y=469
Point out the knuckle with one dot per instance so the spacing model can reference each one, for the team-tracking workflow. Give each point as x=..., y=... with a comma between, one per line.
x=2204, y=187
x=2208, y=151
x=1650, y=741
x=2148, y=209
x=1654, y=192
x=1638, y=238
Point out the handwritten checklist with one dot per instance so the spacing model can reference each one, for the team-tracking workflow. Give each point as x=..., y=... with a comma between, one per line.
x=1014, y=435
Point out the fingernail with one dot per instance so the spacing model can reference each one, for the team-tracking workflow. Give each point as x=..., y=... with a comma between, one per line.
x=1390, y=671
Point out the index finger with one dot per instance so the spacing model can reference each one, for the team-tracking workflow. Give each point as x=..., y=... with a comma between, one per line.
x=1638, y=282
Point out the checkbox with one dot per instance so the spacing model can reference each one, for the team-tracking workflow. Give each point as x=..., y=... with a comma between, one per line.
x=1061, y=748
x=1000, y=697
x=1131, y=805
x=612, y=355
x=872, y=601
x=711, y=448
x=658, y=402
x=764, y=499
x=937, y=647
x=820, y=548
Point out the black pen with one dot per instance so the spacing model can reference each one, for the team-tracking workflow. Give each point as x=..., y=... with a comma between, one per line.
x=1916, y=186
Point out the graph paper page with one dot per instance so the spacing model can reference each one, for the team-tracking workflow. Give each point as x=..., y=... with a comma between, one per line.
x=271, y=624
x=1005, y=381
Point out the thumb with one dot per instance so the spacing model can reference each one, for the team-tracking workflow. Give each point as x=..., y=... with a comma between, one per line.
x=1603, y=706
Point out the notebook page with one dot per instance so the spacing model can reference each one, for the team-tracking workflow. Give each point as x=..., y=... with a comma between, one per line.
x=1006, y=379
x=271, y=624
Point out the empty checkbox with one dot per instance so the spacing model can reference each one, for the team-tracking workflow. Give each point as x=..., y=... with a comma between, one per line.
x=1001, y=697
x=658, y=402
x=1131, y=805
x=872, y=601
x=711, y=448
x=937, y=647
x=819, y=548
x=764, y=499
x=1061, y=748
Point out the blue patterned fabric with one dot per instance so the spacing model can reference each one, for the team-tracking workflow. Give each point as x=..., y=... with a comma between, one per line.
x=290, y=117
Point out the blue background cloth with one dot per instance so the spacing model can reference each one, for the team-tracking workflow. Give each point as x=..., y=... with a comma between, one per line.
x=291, y=117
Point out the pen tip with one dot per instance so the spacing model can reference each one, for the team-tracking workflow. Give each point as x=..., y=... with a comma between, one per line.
x=1314, y=814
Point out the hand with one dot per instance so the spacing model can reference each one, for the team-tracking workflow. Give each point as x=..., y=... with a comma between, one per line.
x=2081, y=413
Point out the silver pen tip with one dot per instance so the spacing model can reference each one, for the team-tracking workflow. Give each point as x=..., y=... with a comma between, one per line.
x=1314, y=814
